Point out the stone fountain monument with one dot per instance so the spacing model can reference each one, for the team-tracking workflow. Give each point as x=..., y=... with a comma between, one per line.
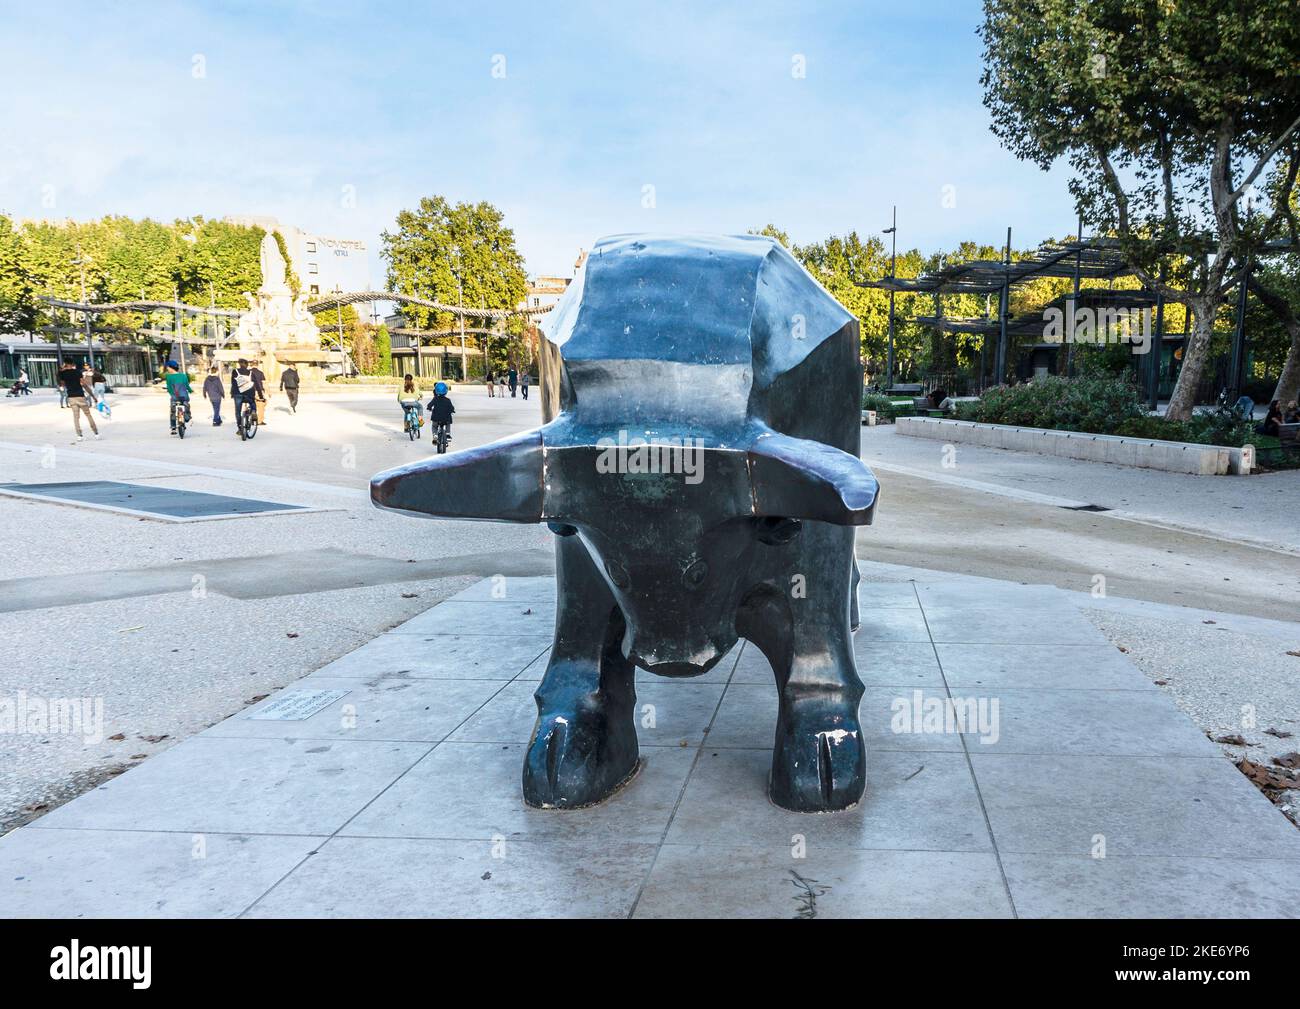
x=278, y=329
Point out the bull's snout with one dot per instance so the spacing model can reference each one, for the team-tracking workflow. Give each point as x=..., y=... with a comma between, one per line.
x=697, y=663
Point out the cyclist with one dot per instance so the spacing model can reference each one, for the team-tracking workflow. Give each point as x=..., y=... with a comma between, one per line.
x=243, y=390
x=178, y=391
x=408, y=397
x=440, y=407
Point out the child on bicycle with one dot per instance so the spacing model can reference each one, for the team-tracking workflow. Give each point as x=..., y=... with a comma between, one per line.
x=408, y=398
x=440, y=407
x=178, y=389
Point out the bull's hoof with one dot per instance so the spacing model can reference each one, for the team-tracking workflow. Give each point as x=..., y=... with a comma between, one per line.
x=577, y=759
x=820, y=770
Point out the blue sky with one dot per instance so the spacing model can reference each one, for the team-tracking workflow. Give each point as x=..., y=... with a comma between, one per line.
x=297, y=101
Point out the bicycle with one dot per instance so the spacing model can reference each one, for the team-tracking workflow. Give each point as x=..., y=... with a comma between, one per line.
x=442, y=432
x=181, y=415
x=412, y=420
x=247, y=420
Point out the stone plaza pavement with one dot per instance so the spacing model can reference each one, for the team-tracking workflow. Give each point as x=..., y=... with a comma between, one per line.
x=401, y=796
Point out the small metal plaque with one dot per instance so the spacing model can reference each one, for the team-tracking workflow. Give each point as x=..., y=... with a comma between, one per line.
x=299, y=705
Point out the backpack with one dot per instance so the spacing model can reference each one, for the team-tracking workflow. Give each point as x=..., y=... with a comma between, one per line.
x=244, y=383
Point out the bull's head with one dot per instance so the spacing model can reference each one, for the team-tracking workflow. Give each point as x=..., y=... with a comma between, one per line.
x=672, y=528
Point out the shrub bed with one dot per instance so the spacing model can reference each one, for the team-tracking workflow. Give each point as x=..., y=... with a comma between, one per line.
x=1098, y=405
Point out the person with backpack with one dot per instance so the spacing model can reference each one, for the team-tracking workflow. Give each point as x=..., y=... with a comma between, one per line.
x=214, y=393
x=289, y=386
x=243, y=389
x=178, y=391
x=491, y=384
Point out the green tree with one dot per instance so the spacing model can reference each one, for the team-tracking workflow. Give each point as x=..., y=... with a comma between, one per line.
x=1169, y=115
x=437, y=244
x=17, y=306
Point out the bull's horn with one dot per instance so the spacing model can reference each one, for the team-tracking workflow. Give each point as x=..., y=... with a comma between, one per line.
x=501, y=481
x=802, y=479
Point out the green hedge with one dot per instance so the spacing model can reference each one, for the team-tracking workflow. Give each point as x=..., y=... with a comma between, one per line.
x=881, y=404
x=1098, y=405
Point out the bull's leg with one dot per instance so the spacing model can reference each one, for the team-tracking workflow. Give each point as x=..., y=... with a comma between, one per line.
x=854, y=621
x=819, y=758
x=584, y=744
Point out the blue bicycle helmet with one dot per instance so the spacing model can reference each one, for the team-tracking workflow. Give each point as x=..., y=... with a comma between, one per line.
x=440, y=388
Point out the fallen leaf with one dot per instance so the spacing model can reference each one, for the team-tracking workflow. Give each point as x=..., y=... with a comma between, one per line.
x=257, y=697
x=1209, y=621
x=291, y=634
x=1161, y=683
x=1122, y=649
x=409, y=595
x=154, y=739
x=1296, y=653
x=1279, y=733
x=139, y=756
x=1267, y=777
x=486, y=875
x=1234, y=739
x=118, y=737
x=1288, y=760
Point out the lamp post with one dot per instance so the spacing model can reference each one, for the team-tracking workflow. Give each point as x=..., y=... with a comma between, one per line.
x=460, y=302
x=892, y=232
x=343, y=354
x=80, y=262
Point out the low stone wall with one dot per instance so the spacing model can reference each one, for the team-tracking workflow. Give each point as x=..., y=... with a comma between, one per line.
x=1170, y=456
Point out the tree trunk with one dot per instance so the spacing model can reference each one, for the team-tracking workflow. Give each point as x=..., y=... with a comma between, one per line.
x=1195, y=352
x=1288, y=384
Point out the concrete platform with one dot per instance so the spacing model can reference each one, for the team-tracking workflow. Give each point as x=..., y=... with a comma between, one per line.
x=1143, y=453
x=1086, y=794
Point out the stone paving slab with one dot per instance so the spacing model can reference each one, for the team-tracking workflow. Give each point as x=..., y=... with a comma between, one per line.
x=400, y=797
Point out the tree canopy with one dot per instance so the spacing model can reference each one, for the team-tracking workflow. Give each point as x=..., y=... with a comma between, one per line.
x=445, y=252
x=1170, y=114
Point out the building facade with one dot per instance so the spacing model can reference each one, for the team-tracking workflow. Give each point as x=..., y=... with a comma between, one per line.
x=323, y=263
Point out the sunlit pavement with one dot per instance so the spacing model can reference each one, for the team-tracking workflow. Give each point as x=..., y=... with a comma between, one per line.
x=393, y=789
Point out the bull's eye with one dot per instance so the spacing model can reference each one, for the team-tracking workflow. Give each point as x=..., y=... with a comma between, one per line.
x=617, y=574
x=694, y=576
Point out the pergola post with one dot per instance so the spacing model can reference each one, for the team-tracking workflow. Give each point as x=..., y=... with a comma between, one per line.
x=1000, y=358
x=1156, y=353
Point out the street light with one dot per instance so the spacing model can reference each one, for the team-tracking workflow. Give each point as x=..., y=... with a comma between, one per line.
x=80, y=262
x=343, y=354
x=460, y=301
x=892, y=232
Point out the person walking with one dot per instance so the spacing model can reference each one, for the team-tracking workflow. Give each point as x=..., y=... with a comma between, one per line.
x=523, y=383
x=491, y=384
x=501, y=384
x=513, y=380
x=214, y=392
x=289, y=386
x=99, y=382
x=80, y=395
x=259, y=384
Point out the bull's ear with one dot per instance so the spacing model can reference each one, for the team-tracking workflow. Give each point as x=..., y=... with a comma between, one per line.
x=802, y=479
x=501, y=481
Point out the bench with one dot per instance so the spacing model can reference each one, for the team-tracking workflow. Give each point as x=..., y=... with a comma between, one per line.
x=1270, y=449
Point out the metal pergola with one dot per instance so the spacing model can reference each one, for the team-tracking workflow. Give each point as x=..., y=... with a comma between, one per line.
x=1098, y=258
